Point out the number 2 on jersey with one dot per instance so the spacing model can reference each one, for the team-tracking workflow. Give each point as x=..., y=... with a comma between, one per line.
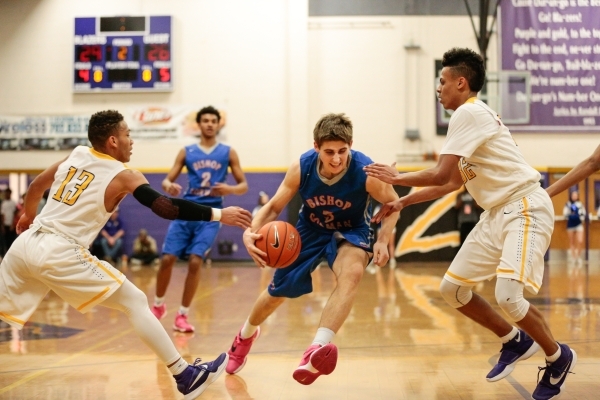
x=85, y=178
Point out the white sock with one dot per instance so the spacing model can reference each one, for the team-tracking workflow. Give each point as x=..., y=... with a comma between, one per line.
x=183, y=310
x=554, y=356
x=179, y=366
x=510, y=336
x=323, y=336
x=248, y=330
x=159, y=301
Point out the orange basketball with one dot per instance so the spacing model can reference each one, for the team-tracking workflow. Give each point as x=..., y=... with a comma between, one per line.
x=281, y=242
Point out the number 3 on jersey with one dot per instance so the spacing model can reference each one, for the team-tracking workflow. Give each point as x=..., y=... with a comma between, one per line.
x=465, y=170
x=84, y=180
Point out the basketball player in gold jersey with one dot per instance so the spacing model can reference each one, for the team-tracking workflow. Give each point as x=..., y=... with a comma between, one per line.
x=52, y=251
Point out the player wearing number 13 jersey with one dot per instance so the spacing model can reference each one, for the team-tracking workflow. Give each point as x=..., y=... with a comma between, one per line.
x=52, y=253
x=207, y=164
x=513, y=234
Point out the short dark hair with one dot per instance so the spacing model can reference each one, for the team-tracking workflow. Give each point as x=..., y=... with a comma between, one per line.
x=208, y=110
x=465, y=62
x=102, y=125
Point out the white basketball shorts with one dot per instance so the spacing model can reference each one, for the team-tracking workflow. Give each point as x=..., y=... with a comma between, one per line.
x=39, y=261
x=508, y=242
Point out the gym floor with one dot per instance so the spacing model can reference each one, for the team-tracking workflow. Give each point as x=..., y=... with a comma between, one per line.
x=401, y=340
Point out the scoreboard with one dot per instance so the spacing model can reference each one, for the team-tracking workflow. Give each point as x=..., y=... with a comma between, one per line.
x=122, y=54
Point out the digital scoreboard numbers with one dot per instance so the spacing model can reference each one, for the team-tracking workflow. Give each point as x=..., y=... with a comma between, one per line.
x=122, y=54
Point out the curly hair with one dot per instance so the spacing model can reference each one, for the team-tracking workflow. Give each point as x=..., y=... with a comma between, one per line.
x=208, y=110
x=333, y=127
x=102, y=125
x=465, y=62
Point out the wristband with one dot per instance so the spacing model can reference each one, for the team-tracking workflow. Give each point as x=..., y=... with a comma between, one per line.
x=216, y=214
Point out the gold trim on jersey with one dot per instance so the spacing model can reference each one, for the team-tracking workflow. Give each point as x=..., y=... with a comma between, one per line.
x=96, y=297
x=11, y=318
x=105, y=156
x=471, y=100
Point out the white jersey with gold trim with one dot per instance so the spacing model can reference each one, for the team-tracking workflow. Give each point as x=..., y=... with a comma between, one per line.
x=75, y=206
x=492, y=166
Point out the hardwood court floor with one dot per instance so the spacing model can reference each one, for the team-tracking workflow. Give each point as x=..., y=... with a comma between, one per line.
x=401, y=341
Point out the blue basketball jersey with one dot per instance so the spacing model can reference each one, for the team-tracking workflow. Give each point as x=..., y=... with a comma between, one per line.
x=342, y=206
x=204, y=170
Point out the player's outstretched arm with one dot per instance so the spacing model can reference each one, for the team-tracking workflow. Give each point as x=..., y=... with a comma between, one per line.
x=435, y=176
x=577, y=174
x=132, y=181
x=419, y=196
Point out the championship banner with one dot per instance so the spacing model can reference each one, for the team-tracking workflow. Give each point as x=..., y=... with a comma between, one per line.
x=51, y=132
x=558, y=43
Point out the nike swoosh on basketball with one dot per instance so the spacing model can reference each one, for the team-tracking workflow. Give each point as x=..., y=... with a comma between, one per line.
x=555, y=381
x=276, y=244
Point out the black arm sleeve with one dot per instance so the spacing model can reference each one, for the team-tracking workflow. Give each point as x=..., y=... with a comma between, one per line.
x=171, y=208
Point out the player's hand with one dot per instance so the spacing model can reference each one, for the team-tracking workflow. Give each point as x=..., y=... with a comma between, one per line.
x=221, y=189
x=385, y=173
x=387, y=209
x=380, y=254
x=173, y=189
x=236, y=216
x=24, y=223
x=257, y=255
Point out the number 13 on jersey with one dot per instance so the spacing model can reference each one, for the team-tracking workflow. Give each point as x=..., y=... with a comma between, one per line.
x=84, y=179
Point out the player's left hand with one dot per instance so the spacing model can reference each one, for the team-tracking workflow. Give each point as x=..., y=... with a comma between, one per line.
x=380, y=254
x=387, y=209
x=24, y=223
x=221, y=189
x=385, y=173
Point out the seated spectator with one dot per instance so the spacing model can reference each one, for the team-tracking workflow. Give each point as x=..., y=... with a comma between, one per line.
x=144, y=250
x=111, y=238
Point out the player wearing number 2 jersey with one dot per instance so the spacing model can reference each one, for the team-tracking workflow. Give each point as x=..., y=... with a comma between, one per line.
x=513, y=233
x=52, y=251
x=207, y=164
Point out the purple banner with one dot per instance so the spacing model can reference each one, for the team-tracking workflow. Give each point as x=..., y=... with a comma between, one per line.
x=558, y=42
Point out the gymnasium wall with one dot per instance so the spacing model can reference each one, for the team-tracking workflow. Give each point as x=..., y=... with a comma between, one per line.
x=274, y=69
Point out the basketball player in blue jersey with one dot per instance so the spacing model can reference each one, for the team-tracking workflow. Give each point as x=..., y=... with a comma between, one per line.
x=207, y=164
x=52, y=253
x=512, y=235
x=334, y=226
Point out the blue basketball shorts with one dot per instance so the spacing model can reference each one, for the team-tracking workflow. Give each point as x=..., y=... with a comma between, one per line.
x=317, y=246
x=190, y=237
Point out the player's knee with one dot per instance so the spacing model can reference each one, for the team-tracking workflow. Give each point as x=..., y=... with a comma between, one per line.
x=456, y=296
x=509, y=295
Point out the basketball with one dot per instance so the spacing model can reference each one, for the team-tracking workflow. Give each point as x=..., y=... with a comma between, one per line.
x=281, y=242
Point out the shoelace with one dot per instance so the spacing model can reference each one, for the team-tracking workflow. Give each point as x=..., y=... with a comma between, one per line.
x=197, y=362
x=549, y=366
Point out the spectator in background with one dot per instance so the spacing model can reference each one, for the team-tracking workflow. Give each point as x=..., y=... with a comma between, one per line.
x=144, y=251
x=112, y=237
x=8, y=209
x=263, y=198
x=468, y=214
x=574, y=213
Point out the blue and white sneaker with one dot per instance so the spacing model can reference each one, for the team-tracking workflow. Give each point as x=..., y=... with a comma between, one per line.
x=555, y=374
x=519, y=348
x=196, y=378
